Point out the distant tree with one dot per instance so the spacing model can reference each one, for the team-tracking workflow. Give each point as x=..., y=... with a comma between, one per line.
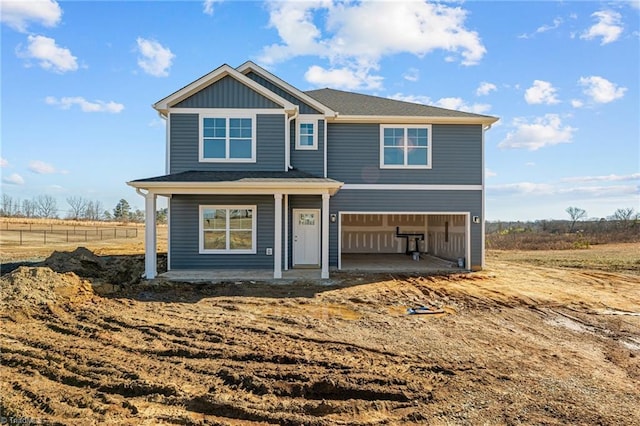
x=28, y=208
x=107, y=215
x=94, y=211
x=576, y=213
x=9, y=206
x=78, y=207
x=137, y=216
x=625, y=218
x=122, y=211
x=161, y=215
x=46, y=206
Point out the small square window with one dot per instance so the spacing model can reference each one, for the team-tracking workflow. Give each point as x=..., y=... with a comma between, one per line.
x=307, y=137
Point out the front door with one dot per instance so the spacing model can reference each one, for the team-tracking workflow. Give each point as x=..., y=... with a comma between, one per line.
x=306, y=237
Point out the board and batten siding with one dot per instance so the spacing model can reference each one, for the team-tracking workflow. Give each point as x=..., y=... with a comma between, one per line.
x=185, y=228
x=308, y=160
x=227, y=93
x=303, y=108
x=184, y=145
x=353, y=156
x=380, y=201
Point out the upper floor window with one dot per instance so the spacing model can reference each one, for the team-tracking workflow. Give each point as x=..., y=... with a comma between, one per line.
x=405, y=146
x=227, y=139
x=307, y=137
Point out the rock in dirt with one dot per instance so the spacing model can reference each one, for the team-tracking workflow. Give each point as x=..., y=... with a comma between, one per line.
x=28, y=288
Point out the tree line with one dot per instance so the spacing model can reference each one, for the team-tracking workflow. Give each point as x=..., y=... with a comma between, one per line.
x=79, y=208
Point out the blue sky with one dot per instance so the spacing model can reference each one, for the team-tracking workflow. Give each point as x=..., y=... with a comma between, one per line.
x=78, y=80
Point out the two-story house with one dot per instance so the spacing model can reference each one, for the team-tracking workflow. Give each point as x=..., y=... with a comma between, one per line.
x=262, y=175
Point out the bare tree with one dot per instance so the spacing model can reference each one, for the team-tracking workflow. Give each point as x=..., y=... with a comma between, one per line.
x=94, y=210
x=28, y=208
x=9, y=206
x=625, y=217
x=576, y=213
x=46, y=206
x=78, y=207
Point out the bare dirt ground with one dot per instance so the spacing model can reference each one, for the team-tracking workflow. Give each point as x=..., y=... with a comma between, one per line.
x=526, y=341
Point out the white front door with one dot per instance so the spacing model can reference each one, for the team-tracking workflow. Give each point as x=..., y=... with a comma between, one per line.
x=306, y=237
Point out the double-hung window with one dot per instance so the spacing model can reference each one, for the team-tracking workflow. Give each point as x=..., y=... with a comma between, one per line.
x=307, y=137
x=228, y=229
x=227, y=139
x=405, y=146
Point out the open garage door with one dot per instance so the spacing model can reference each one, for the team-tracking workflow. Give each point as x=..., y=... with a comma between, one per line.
x=391, y=241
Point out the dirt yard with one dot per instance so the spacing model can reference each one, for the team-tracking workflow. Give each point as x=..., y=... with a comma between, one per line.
x=536, y=338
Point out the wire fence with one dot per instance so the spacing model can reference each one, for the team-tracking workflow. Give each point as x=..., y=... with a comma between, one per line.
x=31, y=234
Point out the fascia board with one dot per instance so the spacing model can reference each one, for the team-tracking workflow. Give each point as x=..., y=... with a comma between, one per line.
x=251, y=66
x=215, y=75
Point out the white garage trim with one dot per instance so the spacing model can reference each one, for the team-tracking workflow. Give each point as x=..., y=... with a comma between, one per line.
x=467, y=228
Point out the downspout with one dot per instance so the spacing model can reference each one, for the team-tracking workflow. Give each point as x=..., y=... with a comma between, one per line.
x=287, y=133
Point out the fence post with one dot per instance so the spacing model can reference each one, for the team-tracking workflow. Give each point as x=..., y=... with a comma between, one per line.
x=67, y=235
x=85, y=235
x=21, y=237
x=45, y=237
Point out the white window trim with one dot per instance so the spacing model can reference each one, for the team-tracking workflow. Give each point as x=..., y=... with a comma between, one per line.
x=227, y=115
x=254, y=217
x=429, y=147
x=306, y=119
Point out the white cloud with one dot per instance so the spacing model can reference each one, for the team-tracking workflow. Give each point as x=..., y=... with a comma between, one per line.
x=412, y=74
x=601, y=90
x=17, y=14
x=485, y=88
x=3, y=162
x=460, y=105
x=207, y=6
x=342, y=78
x=542, y=92
x=529, y=188
x=542, y=132
x=85, y=106
x=13, y=179
x=555, y=189
x=608, y=27
x=356, y=35
x=41, y=168
x=543, y=28
x=489, y=173
x=457, y=104
x=577, y=103
x=603, y=178
x=154, y=58
x=530, y=164
x=49, y=54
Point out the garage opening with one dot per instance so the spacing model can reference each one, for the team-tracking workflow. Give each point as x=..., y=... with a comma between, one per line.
x=409, y=242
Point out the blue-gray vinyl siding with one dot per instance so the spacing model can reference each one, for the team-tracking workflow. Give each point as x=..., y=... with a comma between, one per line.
x=302, y=107
x=184, y=145
x=185, y=228
x=307, y=160
x=227, y=93
x=301, y=202
x=407, y=201
x=353, y=156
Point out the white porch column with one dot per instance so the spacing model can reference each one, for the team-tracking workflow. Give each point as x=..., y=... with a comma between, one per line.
x=325, y=237
x=150, y=236
x=286, y=232
x=277, y=237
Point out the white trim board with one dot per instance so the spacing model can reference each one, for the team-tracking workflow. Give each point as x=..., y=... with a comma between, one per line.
x=410, y=187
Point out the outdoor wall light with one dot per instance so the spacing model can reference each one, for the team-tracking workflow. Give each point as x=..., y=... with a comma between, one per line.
x=333, y=218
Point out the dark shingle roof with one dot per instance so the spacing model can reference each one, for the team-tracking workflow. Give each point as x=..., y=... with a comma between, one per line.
x=349, y=103
x=208, y=176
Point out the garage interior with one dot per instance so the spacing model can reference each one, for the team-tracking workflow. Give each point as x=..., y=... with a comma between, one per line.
x=408, y=242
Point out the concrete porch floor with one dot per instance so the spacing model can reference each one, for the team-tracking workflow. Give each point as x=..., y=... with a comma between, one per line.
x=396, y=262
x=350, y=263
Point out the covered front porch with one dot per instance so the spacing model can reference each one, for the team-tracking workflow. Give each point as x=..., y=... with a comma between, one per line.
x=269, y=241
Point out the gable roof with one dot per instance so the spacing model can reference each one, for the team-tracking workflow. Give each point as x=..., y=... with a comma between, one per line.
x=251, y=66
x=222, y=71
x=358, y=106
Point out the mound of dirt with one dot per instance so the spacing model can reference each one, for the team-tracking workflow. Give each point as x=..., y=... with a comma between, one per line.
x=118, y=270
x=31, y=287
